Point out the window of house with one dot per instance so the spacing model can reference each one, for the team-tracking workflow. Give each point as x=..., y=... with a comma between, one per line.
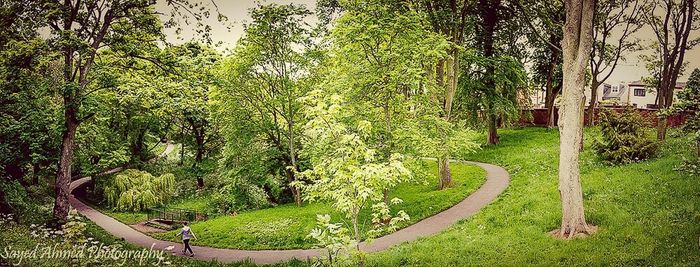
x=615, y=89
x=640, y=92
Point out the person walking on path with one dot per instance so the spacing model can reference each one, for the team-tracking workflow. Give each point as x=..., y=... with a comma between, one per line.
x=186, y=234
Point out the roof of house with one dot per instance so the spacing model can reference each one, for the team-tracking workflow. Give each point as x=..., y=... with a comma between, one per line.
x=608, y=93
x=679, y=85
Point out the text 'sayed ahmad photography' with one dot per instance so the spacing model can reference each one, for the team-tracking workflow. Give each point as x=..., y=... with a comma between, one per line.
x=350, y=133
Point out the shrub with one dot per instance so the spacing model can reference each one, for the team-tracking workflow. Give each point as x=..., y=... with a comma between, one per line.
x=14, y=199
x=138, y=190
x=623, y=139
x=238, y=195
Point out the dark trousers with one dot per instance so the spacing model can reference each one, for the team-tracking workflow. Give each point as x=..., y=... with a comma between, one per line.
x=187, y=246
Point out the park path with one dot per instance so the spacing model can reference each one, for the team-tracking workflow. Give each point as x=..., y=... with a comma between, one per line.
x=497, y=179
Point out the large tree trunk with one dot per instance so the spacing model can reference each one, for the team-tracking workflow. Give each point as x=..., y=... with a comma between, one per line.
x=63, y=178
x=576, y=46
x=493, y=129
x=489, y=18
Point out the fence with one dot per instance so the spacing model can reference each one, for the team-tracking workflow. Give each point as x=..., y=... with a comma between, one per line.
x=176, y=215
x=539, y=116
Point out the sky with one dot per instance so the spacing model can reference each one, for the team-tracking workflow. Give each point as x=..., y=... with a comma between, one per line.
x=237, y=12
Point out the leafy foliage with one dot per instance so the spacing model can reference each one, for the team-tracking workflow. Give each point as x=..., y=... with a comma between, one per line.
x=346, y=168
x=255, y=104
x=689, y=101
x=333, y=237
x=138, y=190
x=501, y=99
x=623, y=139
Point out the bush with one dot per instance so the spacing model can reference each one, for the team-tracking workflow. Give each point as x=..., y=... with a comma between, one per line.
x=238, y=195
x=138, y=190
x=14, y=199
x=623, y=139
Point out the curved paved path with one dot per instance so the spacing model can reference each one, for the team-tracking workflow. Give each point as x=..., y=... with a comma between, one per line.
x=497, y=179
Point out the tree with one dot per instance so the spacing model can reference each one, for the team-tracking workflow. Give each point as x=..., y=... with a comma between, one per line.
x=493, y=79
x=488, y=14
x=79, y=29
x=195, y=75
x=261, y=82
x=545, y=20
x=347, y=169
x=576, y=47
x=623, y=19
x=672, y=22
x=377, y=61
x=450, y=19
x=689, y=101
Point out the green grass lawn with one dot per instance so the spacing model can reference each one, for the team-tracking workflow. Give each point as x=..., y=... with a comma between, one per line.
x=286, y=226
x=647, y=213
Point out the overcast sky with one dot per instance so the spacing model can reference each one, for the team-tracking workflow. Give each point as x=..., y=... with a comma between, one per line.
x=237, y=12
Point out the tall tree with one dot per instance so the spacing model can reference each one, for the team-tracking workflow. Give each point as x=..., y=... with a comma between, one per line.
x=614, y=24
x=493, y=77
x=488, y=13
x=28, y=107
x=195, y=76
x=450, y=19
x=79, y=29
x=545, y=19
x=576, y=47
x=672, y=21
x=377, y=61
x=261, y=83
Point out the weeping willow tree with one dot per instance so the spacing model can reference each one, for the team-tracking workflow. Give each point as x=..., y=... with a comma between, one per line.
x=136, y=190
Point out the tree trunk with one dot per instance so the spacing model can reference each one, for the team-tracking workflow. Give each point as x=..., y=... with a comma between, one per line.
x=582, y=109
x=63, y=178
x=493, y=130
x=451, y=88
x=292, y=156
x=593, y=102
x=182, y=145
x=137, y=146
x=550, y=95
x=444, y=172
x=199, y=139
x=489, y=19
x=665, y=102
x=36, y=168
x=576, y=46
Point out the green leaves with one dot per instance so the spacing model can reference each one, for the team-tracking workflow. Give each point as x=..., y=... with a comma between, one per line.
x=623, y=140
x=136, y=190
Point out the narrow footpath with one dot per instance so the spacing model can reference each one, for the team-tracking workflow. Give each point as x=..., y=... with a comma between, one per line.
x=497, y=180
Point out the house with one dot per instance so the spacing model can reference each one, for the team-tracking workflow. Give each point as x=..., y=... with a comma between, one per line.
x=635, y=93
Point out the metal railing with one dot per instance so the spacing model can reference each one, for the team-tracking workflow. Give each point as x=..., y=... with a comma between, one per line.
x=176, y=215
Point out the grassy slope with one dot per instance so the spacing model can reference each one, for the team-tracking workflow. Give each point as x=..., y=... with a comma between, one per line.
x=286, y=226
x=648, y=213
